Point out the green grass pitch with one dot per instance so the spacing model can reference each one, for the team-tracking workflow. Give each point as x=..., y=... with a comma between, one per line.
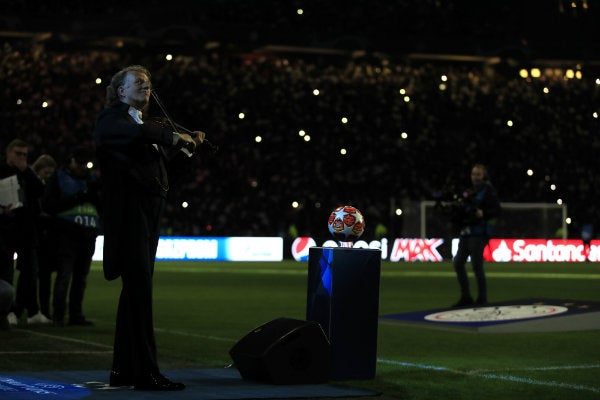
x=202, y=309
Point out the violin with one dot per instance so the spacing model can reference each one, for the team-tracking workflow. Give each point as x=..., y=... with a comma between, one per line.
x=167, y=121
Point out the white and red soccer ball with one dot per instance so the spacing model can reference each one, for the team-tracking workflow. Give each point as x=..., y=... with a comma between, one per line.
x=346, y=223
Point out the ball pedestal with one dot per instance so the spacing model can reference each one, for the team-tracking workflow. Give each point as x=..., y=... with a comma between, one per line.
x=343, y=297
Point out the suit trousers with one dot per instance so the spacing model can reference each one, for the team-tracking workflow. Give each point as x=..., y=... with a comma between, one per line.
x=135, y=346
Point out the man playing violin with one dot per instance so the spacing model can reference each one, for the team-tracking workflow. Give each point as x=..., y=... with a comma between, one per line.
x=137, y=160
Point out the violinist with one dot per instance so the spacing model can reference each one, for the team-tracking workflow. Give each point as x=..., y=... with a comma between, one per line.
x=137, y=160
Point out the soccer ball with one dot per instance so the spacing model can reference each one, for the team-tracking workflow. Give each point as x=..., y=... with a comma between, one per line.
x=346, y=223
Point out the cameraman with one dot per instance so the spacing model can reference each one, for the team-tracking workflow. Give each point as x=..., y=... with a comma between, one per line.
x=481, y=207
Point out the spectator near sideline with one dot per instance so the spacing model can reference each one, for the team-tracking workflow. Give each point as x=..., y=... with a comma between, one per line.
x=71, y=199
x=18, y=232
x=45, y=167
x=137, y=161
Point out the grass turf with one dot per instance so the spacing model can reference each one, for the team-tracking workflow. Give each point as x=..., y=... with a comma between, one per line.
x=202, y=309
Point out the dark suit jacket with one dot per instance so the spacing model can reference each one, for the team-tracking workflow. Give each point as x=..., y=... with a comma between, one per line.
x=134, y=181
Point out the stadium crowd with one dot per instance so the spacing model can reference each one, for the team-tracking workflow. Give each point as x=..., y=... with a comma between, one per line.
x=407, y=129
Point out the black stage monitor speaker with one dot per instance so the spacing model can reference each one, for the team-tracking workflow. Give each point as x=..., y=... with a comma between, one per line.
x=284, y=351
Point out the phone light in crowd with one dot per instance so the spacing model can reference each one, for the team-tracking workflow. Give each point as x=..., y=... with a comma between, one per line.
x=402, y=92
x=404, y=135
x=344, y=120
x=406, y=99
x=509, y=123
x=295, y=204
x=546, y=90
x=444, y=78
x=258, y=139
x=241, y=115
x=98, y=81
x=89, y=165
x=299, y=11
x=19, y=102
x=169, y=57
x=343, y=151
x=530, y=172
x=398, y=212
x=45, y=104
x=185, y=204
x=316, y=92
x=595, y=114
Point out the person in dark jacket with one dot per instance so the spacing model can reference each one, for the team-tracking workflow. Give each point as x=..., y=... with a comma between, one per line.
x=480, y=209
x=71, y=200
x=18, y=232
x=136, y=161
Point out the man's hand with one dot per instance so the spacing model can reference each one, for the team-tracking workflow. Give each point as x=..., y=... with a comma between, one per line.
x=199, y=137
x=187, y=142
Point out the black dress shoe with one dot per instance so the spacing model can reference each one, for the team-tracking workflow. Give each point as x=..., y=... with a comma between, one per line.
x=120, y=379
x=156, y=381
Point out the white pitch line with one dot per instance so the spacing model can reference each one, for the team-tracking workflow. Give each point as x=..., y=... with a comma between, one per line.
x=66, y=339
x=220, y=339
x=499, y=377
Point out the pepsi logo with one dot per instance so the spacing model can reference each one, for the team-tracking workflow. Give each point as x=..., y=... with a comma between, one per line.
x=300, y=248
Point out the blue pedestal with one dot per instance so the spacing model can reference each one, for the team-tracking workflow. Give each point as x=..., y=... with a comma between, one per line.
x=343, y=297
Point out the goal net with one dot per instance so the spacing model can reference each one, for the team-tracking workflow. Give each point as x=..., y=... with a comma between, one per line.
x=518, y=220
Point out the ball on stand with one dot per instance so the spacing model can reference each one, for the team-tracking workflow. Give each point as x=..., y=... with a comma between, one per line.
x=346, y=224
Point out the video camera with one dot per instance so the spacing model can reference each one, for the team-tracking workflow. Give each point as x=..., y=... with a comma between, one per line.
x=459, y=207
